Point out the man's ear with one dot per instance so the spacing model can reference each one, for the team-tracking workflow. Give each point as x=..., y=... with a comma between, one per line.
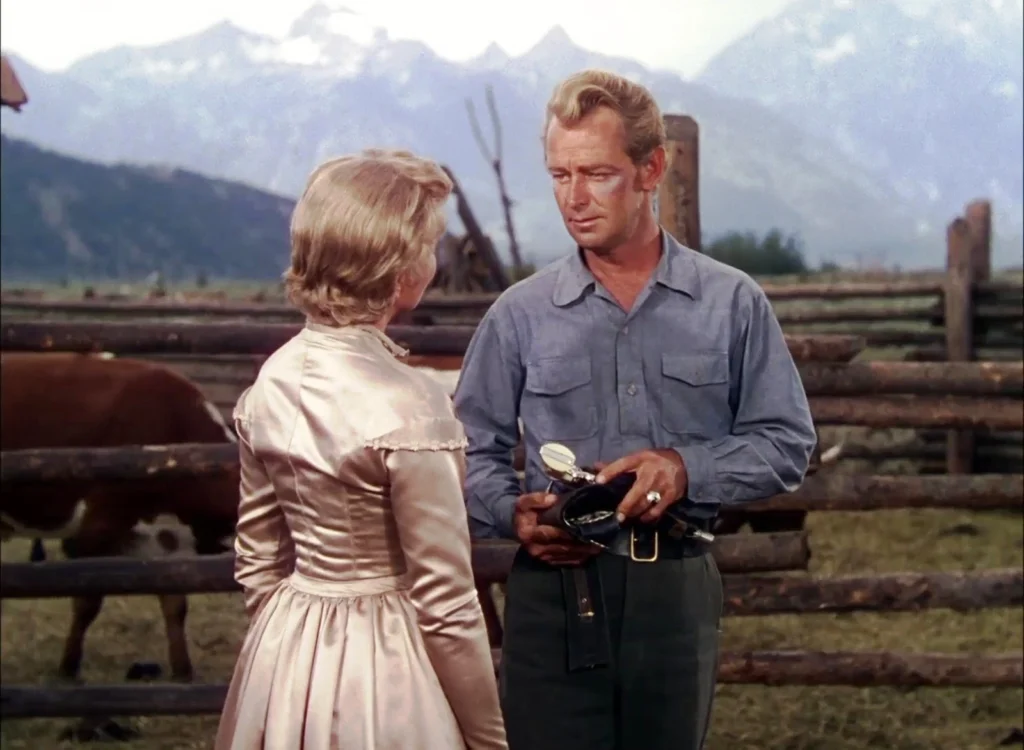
x=653, y=170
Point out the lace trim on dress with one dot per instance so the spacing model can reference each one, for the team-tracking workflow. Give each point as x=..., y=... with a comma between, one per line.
x=240, y=412
x=431, y=434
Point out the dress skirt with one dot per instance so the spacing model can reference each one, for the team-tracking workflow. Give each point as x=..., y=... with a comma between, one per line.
x=330, y=665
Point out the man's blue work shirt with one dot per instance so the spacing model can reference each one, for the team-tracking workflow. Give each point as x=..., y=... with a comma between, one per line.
x=698, y=365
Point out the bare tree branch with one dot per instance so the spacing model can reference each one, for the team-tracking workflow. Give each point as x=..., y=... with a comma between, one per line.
x=495, y=161
x=477, y=135
x=493, y=108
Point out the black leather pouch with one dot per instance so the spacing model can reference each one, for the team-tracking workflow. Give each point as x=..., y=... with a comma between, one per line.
x=587, y=511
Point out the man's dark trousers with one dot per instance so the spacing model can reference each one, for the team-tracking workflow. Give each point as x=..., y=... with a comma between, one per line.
x=657, y=689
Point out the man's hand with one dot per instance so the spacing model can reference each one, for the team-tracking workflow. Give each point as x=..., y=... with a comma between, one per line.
x=660, y=471
x=548, y=543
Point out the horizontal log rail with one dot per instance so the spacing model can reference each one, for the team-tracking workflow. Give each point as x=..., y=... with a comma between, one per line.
x=915, y=451
x=849, y=668
x=997, y=338
x=472, y=305
x=121, y=463
x=820, y=492
x=887, y=313
x=745, y=594
x=1010, y=438
x=95, y=701
x=214, y=574
x=913, y=378
x=133, y=338
x=859, y=669
x=983, y=351
x=862, y=492
x=887, y=592
x=985, y=290
x=952, y=412
x=841, y=322
x=819, y=378
x=878, y=377
x=233, y=308
x=879, y=289
x=988, y=446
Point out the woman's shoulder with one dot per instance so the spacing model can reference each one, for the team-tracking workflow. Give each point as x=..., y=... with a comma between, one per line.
x=422, y=415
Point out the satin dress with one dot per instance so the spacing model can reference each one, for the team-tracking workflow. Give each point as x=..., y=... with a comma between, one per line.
x=353, y=553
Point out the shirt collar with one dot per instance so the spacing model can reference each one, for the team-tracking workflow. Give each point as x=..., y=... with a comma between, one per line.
x=676, y=270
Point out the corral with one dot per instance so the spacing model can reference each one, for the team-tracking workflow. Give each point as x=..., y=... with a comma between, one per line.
x=829, y=643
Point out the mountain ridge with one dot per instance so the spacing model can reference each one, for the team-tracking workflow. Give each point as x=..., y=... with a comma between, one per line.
x=899, y=86
x=66, y=218
x=264, y=110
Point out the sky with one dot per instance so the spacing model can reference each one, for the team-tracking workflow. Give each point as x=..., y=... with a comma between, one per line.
x=678, y=35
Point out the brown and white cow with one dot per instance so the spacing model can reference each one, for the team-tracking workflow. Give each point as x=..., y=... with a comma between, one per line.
x=62, y=400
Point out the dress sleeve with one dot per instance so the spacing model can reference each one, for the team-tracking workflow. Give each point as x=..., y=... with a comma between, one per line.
x=264, y=551
x=425, y=461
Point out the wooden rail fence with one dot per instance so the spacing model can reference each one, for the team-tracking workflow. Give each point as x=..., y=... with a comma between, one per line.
x=745, y=595
x=762, y=573
x=961, y=315
x=997, y=312
x=223, y=358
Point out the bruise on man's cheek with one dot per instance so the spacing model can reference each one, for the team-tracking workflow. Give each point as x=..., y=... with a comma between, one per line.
x=605, y=188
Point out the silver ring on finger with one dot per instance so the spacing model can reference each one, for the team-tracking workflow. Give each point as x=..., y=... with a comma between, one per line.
x=654, y=497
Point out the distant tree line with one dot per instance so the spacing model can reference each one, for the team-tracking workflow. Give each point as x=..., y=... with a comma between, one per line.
x=774, y=254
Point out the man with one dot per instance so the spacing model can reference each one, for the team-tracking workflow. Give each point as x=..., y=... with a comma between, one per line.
x=651, y=357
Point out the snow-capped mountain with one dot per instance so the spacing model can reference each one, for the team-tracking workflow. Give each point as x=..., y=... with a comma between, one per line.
x=264, y=110
x=925, y=92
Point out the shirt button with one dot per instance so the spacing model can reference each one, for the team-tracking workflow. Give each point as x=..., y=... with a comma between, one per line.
x=625, y=330
x=631, y=390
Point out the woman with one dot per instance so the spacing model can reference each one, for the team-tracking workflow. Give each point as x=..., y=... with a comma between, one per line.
x=352, y=544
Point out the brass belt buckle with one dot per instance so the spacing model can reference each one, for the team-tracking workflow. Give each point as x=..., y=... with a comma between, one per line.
x=632, y=548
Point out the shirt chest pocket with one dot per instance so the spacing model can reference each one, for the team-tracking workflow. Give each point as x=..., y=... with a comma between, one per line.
x=558, y=399
x=695, y=394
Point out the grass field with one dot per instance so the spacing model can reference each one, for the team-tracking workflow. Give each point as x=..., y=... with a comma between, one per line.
x=773, y=718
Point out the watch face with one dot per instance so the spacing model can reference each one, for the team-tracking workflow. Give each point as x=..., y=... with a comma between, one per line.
x=559, y=461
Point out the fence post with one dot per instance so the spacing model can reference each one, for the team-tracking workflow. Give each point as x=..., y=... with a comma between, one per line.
x=978, y=214
x=679, y=194
x=958, y=299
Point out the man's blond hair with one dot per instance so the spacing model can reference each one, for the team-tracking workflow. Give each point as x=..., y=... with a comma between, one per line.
x=583, y=92
x=363, y=220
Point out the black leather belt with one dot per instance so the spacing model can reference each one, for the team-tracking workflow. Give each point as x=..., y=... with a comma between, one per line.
x=586, y=626
x=647, y=545
x=669, y=539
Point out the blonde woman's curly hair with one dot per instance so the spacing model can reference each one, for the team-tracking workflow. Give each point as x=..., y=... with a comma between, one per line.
x=583, y=92
x=362, y=221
